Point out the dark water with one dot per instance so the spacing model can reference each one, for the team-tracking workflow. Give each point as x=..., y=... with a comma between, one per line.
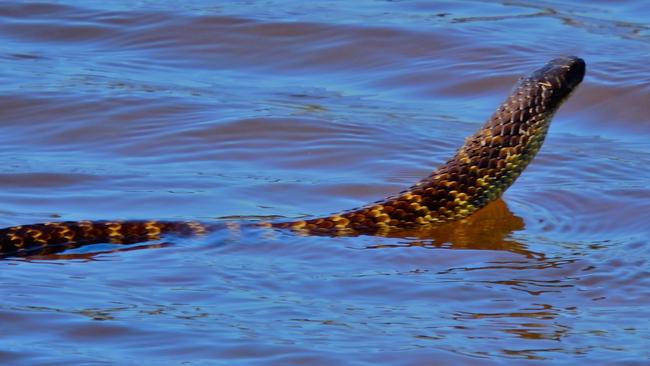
x=203, y=110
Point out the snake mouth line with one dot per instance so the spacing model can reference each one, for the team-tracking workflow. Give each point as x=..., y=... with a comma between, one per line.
x=480, y=171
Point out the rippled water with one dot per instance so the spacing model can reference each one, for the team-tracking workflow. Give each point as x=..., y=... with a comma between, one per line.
x=210, y=110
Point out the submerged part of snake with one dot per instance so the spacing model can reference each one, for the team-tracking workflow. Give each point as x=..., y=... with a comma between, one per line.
x=480, y=171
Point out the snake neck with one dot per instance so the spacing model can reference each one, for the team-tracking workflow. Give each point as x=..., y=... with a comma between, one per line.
x=480, y=171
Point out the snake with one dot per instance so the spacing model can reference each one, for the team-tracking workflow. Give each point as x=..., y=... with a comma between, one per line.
x=479, y=172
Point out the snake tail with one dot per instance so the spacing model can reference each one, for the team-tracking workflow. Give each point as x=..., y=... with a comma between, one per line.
x=28, y=239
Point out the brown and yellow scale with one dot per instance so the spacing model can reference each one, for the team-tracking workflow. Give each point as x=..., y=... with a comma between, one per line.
x=480, y=171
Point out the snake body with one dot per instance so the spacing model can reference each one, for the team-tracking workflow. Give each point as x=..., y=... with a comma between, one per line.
x=481, y=170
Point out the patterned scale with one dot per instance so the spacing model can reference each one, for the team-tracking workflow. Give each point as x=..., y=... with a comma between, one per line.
x=480, y=171
x=72, y=234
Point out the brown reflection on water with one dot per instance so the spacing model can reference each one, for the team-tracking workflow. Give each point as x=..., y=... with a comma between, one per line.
x=59, y=253
x=488, y=229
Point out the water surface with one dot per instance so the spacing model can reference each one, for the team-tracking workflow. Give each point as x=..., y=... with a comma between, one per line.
x=204, y=111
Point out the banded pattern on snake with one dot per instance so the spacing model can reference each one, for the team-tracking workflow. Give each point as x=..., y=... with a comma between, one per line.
x=480, y=171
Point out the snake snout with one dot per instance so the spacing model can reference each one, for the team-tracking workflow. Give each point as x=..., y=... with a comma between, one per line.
x=573, y=70
x=562, y=74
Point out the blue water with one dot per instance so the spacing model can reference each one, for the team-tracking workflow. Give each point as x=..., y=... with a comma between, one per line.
x=200, y=110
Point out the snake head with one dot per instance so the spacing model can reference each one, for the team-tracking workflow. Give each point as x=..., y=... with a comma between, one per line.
x=556, y=80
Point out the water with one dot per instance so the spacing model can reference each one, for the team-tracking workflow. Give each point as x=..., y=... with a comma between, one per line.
x=203, y=110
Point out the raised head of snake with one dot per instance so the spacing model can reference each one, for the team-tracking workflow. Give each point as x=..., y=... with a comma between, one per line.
x=480, y=171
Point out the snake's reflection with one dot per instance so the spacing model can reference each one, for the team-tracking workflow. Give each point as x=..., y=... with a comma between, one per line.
x=488, y=229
